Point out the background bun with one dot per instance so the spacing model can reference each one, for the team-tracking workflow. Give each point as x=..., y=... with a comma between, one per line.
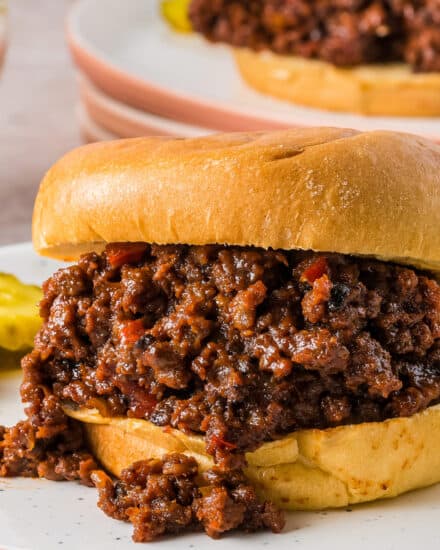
x=310, y=469
x=388, y=89
x=325, y=189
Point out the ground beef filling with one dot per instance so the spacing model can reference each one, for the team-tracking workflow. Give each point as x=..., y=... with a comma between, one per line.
x=165, y=496
x=30, y=451
x=342, y=32
x=241, y=345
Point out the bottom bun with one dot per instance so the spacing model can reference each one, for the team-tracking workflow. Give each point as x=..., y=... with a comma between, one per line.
x=305, y=470
x=388, y=89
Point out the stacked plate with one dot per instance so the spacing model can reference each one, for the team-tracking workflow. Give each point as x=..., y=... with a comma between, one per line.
x=139, y=77
x=101, y=117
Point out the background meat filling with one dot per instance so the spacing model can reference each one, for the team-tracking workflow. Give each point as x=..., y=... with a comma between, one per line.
x=343, y=32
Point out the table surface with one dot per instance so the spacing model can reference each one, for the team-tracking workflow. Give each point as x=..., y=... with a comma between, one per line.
x=37, y=114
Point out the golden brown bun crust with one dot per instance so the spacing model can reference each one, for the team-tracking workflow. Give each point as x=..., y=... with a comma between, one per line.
x=389, y=89
x=311, y=469
x=326, y=189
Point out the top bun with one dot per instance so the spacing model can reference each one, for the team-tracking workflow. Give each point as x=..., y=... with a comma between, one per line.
x=324, y=189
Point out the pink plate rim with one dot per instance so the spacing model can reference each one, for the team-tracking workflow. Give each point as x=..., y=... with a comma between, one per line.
x=149, y=97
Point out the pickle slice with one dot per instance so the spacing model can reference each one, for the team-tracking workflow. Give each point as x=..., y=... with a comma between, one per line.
x=176, y=13
x=19, y=319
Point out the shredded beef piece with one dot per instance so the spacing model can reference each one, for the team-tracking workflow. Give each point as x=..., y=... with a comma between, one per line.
x=163, y=496
x=343, y=32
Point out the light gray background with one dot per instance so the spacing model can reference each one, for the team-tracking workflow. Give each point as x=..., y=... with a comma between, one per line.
x=37, y=108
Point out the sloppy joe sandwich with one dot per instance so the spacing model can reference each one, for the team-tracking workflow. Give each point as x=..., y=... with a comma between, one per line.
x=257, y=311
x=377, y=57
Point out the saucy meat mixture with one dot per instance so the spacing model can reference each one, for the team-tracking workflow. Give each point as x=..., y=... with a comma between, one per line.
x=163, y=496
x=342, y=32
x=240, y=344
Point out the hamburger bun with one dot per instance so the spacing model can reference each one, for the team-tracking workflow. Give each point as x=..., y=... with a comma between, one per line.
x=322, y=189
x=307, y=470
x=382, y=89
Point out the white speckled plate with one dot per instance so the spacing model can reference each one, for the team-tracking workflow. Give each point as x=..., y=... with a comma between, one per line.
x=44, y=515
